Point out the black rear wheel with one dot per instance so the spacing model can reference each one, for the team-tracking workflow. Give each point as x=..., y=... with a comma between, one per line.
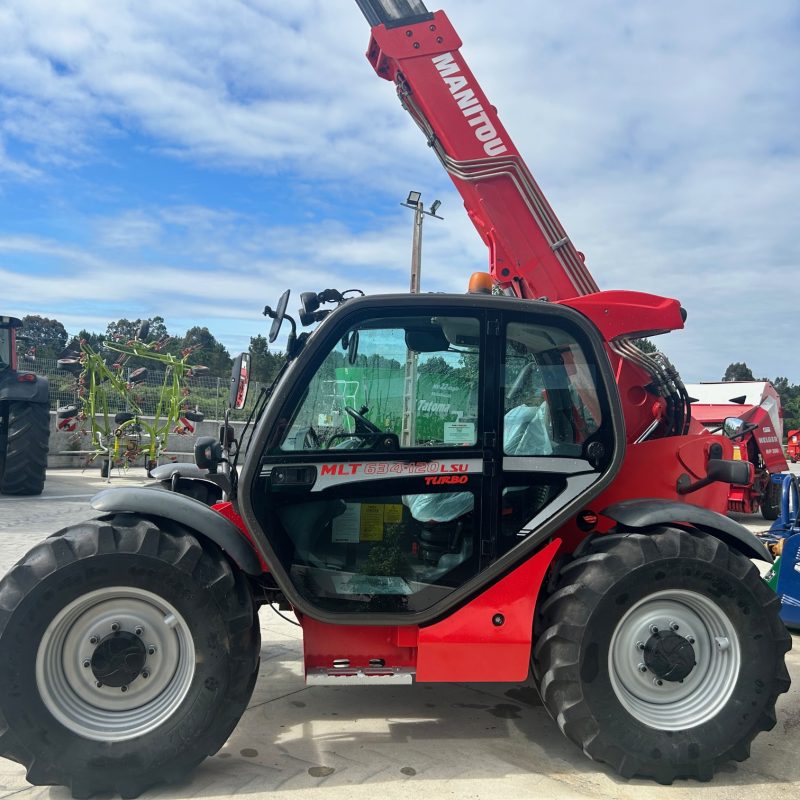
x=134, y=648
x=661, y=654
x=25, y=444
x=771, y=503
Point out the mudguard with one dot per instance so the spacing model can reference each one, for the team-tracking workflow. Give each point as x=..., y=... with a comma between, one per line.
x=186, y=511
x=643, y=513
x=16, y=391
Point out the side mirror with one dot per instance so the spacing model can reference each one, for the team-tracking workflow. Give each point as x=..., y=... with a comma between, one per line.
x=207, y=453
x=352, y=347
x=277, y=319
x=732, y=426
x=240, y=381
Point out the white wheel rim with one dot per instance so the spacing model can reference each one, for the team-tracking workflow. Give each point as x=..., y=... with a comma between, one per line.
x=673, y=705
x=67, y=662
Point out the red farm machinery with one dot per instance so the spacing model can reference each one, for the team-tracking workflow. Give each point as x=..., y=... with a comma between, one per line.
x=750, y=414
x=441, y=488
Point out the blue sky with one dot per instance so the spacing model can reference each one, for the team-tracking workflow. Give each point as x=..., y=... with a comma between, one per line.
x=191, y=159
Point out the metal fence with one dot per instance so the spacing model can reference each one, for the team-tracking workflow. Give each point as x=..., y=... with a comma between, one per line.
x=206, y=393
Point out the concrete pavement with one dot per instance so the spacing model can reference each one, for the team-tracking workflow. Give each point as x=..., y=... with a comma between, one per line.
x=440, y=740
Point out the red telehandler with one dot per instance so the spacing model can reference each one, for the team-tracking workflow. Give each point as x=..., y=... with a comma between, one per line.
x=441, y=488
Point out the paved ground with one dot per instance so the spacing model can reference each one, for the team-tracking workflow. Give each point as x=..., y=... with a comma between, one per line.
x=460, y=741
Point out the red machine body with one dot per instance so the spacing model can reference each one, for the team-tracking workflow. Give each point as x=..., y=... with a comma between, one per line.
x=758, y=405
x=530, y=256
x=793, y=445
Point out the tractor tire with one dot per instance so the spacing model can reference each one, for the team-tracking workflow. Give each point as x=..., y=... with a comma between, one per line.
x=771, y=502
x=25, y=445
x=128, y=654
x=661, y=655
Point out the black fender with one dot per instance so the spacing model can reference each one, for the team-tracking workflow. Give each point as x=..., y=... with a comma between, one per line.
x=28, y=391
x=643, y=513
x=157, y=503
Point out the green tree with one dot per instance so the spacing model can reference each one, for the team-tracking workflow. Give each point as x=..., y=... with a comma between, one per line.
x=124, y=330
x=738, y=371
x=47, y=336
x=264, y=364
x=208, y=351
x=645, y=345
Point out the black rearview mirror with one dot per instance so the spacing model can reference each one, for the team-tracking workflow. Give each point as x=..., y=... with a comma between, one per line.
x=732, y=426
x=277, y=320
x=352, y=347
x=240, y=381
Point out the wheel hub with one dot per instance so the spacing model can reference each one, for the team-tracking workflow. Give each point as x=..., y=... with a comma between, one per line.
x=669, y=656
x=118, y=659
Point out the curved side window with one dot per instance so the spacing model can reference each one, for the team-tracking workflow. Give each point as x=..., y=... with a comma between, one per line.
x=551, y=405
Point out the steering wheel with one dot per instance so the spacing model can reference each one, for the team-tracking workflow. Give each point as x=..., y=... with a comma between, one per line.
x=311, y=440
x=363, y=425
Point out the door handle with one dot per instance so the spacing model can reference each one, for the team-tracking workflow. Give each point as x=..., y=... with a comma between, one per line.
x=287, y=477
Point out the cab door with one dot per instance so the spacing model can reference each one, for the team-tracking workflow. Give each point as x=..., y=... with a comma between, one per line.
x=421, y=449
x=372, y=486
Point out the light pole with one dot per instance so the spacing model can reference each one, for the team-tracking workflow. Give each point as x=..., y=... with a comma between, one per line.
x=408, y=433
x=414, y=202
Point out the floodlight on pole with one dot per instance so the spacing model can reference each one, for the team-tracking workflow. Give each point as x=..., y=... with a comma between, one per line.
x=414, y=202
x=408, y=432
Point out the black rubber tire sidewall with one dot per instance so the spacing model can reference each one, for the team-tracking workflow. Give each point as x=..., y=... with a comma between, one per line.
x=757, y=668
x=25, y=448
x=592, y=593
x=771, y=504
x=180, y=742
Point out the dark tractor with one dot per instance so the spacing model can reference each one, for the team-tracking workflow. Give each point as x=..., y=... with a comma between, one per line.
x=24, y=420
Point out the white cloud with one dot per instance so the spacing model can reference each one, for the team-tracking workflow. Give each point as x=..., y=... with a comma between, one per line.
x=665, y=136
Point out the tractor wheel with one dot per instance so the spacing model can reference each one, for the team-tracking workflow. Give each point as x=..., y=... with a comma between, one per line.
x=771, y=503
x=661, y=654
x=25, y=445
x=127, y=655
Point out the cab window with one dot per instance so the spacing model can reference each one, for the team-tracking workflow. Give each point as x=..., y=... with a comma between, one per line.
x=551, y=405
x=415, y=378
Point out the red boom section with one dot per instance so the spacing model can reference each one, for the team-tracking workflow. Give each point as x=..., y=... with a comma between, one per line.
x=528, y=248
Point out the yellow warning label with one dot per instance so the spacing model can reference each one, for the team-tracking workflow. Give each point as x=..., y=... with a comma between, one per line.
x=371, y=522
x=392, y=513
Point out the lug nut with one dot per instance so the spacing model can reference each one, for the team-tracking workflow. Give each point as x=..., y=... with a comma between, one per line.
x=87, y=663
x=657, y=682
x=98, y=684
x=690, y=639
x=640, y=645
x=145, y=674
x=115, y=626
x=151, y=650
x=93, y=640
x=642, y=668
x=675, y=626
x=123, y=688
x=138, y=630
x=654, y=629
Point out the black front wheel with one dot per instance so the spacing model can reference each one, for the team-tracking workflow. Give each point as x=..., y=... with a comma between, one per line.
x=134, y=648
x=23, y=463
x=661, y=654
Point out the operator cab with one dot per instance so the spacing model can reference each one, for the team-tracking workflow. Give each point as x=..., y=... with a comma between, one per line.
x=418, y=445
x=7, y=329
